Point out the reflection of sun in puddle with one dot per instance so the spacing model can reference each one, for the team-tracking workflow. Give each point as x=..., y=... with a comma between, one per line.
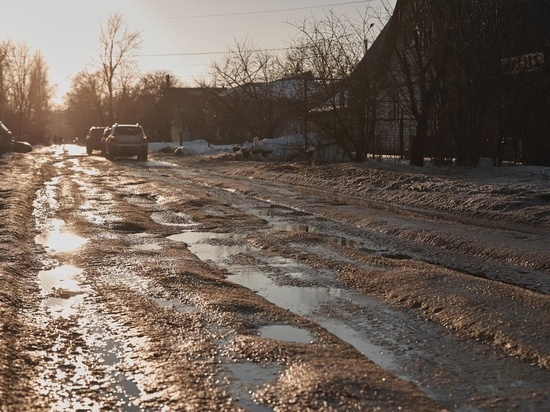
x=62, y=277
x=62, y=288
x=70, y=150
x=58, y=240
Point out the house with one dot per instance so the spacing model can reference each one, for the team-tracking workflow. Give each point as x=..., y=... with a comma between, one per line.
x=241, y=113
x=192, y=110
x=461, y=79
x=265, y=109
x=525, y=86
x=393, y=125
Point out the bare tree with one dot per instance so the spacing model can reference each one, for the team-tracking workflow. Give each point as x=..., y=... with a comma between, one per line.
x=19, y=83
x=4, y=67
x=85, y=101
x=252, y=78
x=422, y=54
x=40, y=94
x=149, y=104
x=118, y=48
x=333, y=49
x=28, y=89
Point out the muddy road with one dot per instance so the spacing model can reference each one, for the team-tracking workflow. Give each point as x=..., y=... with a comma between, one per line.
x=179, y=284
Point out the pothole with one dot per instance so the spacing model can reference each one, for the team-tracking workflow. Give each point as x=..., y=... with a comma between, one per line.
x=148, y=247
x=213, y=246
x=286, y=333
x=307, y=301
x=246, y=378
x=62, y=290
x=57, y=239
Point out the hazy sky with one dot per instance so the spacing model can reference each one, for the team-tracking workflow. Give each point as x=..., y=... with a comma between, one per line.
x=181, y=36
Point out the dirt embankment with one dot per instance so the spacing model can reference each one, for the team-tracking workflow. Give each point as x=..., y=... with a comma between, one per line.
x=515, y=195
x=519, y=195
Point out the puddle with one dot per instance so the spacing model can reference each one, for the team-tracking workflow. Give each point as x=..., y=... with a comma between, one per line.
x=62, y=291
x=62, y=277
x=245, y=378
x=147, y=247
x=56, y=239
x=200, y=237
x=286, y=333
x=345, y=242
x=213, y=246
x=125, y=389
x=335, y=240
x=375, y=353
x=301, y=300
x=112, y=354
x=278, y=224
x=71, y=150
x=293, y=227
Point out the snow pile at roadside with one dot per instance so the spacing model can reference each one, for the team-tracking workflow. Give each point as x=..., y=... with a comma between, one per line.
x=281, y=148
x=516, y=194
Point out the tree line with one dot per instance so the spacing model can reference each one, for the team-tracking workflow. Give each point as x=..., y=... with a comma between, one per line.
x=448, y=80
x=25, y=92
x=452, y=81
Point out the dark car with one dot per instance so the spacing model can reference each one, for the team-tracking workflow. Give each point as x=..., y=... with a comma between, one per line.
x=21, y=147
x=6, y=139
x=126, y=140
x=93, y=139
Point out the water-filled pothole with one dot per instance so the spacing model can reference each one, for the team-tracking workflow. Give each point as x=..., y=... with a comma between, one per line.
x=62, y=290
x=112, y=353
x=62, y=277
x=286, y=333
x=59, y=240
x=307, y=301
x=335, y=240
x=246, y=378
x=147, y=247
x=213, y=246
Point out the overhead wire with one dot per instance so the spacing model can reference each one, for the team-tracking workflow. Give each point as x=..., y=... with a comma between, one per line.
x=242, y=13
x=205, y=53
x=238, y=14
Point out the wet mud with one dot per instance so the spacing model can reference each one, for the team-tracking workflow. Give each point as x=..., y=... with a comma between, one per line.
x=142, y=286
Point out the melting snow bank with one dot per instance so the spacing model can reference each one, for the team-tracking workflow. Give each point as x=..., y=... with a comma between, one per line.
x=513, y=195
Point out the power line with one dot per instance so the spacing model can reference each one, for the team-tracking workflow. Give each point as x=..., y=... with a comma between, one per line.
x=201, y=16
x=204, y=53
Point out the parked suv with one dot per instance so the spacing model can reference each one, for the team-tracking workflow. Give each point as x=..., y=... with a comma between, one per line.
x=126, y=140
x=93, y=139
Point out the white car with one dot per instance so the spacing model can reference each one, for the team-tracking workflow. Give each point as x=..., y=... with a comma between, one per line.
x=126, y=140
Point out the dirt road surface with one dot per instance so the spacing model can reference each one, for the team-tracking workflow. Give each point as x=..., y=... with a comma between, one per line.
x=207, y=284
